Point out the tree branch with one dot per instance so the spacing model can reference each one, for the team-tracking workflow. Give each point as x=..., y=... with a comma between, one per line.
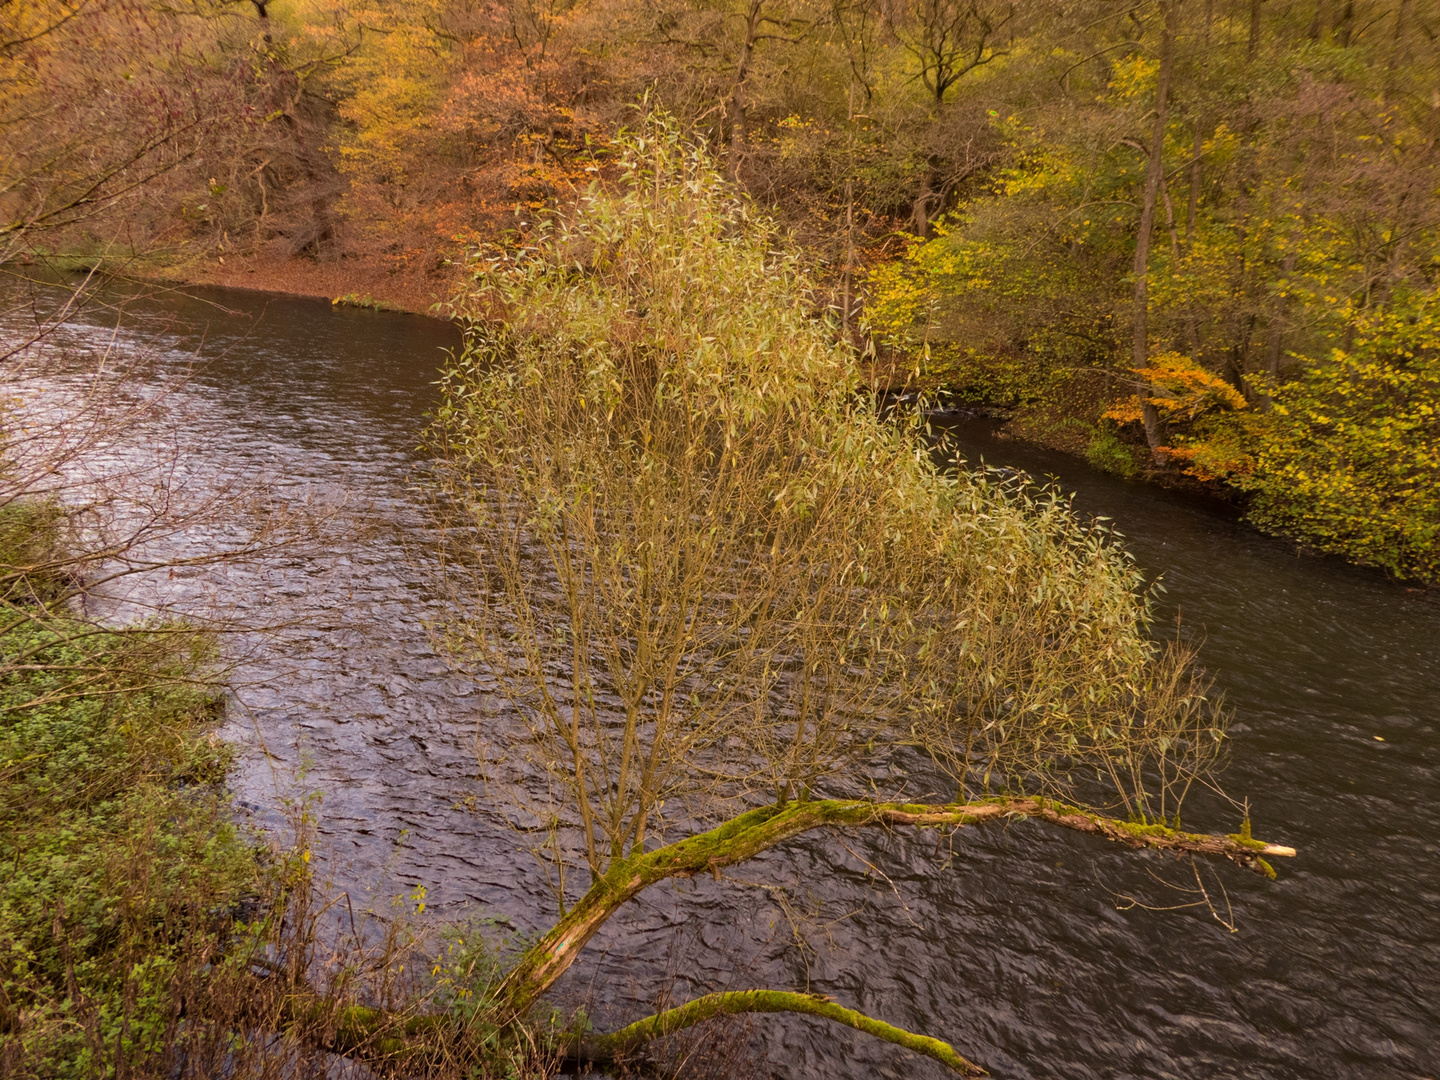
x=606, y=1047
x=759, y=830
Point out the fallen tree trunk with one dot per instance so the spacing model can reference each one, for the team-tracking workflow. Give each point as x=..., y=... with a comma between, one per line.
x=377, y=1035
x=756, y=831
x=605, y=1048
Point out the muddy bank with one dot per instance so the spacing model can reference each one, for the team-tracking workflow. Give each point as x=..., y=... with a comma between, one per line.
x=354, y=280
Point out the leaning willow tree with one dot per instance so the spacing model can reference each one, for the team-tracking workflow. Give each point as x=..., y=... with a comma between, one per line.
x=720, y=589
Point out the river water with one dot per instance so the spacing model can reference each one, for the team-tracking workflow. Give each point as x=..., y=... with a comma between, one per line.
x=1020, y=947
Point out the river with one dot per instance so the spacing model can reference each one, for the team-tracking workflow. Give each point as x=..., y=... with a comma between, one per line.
x=1021, y=950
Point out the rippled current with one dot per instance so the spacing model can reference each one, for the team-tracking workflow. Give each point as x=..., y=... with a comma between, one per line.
x=1020, y=949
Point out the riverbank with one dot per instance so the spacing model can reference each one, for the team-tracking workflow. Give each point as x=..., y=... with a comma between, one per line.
x=1306, y=513
x=358, y=281
x=147, y=929
x=129, y=881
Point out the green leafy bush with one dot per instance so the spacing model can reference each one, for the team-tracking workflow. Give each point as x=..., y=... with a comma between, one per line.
x=137, y=915
x=1348, y=458
x=124, y=868
x=1108, y=454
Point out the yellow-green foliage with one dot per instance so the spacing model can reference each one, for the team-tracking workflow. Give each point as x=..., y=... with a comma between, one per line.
x=1295, y=215
x=992, y=298
x=386, y=67
x=661, y=332
x=394, y=79
x=1348, y=459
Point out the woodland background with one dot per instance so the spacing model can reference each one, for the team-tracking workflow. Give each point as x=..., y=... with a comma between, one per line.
x=1189, y=239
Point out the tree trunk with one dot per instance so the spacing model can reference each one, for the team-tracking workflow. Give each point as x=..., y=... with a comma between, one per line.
x=264, y=16
x=849, y=275
x=1154, y=176
x=1345, y=25
x=847, y=283
x=1192, y=208
x=394, y=1038
x=759, y=830
x=920, y=212
x=605, y=1047
x=1277, y=333
x=1397, y=43
x=739, y=117
x=1197, y=146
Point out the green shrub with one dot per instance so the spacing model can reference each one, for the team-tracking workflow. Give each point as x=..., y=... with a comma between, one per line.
x=135, y=912
x=1108, y=454
x=124, y=869
x=1348, y=459
x=124, y=866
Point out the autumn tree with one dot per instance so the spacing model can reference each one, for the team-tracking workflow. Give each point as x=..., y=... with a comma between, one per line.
x=99, y=104
x=1154, y=176
x=1190, y=216
x=718, y=591
x=947, y=39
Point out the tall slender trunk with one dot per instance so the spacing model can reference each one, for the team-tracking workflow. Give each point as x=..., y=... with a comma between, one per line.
x=1345, y=25
x=1397, y=44
x=739, y=116
x=1277, y=333
x=847, y=282
x=920, y=212
x=1197, y=147
x=849, y=274
x=1154, y=176
x=1192, y=209
x=263, y=14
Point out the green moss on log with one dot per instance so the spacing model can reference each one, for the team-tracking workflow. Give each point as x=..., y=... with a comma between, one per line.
x=606, y=1047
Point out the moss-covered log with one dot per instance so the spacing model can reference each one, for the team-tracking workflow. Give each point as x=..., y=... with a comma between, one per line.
x=378, y=1036
x=758, y=830
x=607, y=1047
x=383, y=1038
x=371, y=1034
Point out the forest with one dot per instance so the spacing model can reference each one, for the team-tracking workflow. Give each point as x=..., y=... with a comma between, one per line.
x=1191, y=241
x=693, y=545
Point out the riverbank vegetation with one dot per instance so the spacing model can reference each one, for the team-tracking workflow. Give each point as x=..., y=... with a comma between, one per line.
x=147, y=928
x=125, y=870
x=726, y=601
x=1210, y=252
